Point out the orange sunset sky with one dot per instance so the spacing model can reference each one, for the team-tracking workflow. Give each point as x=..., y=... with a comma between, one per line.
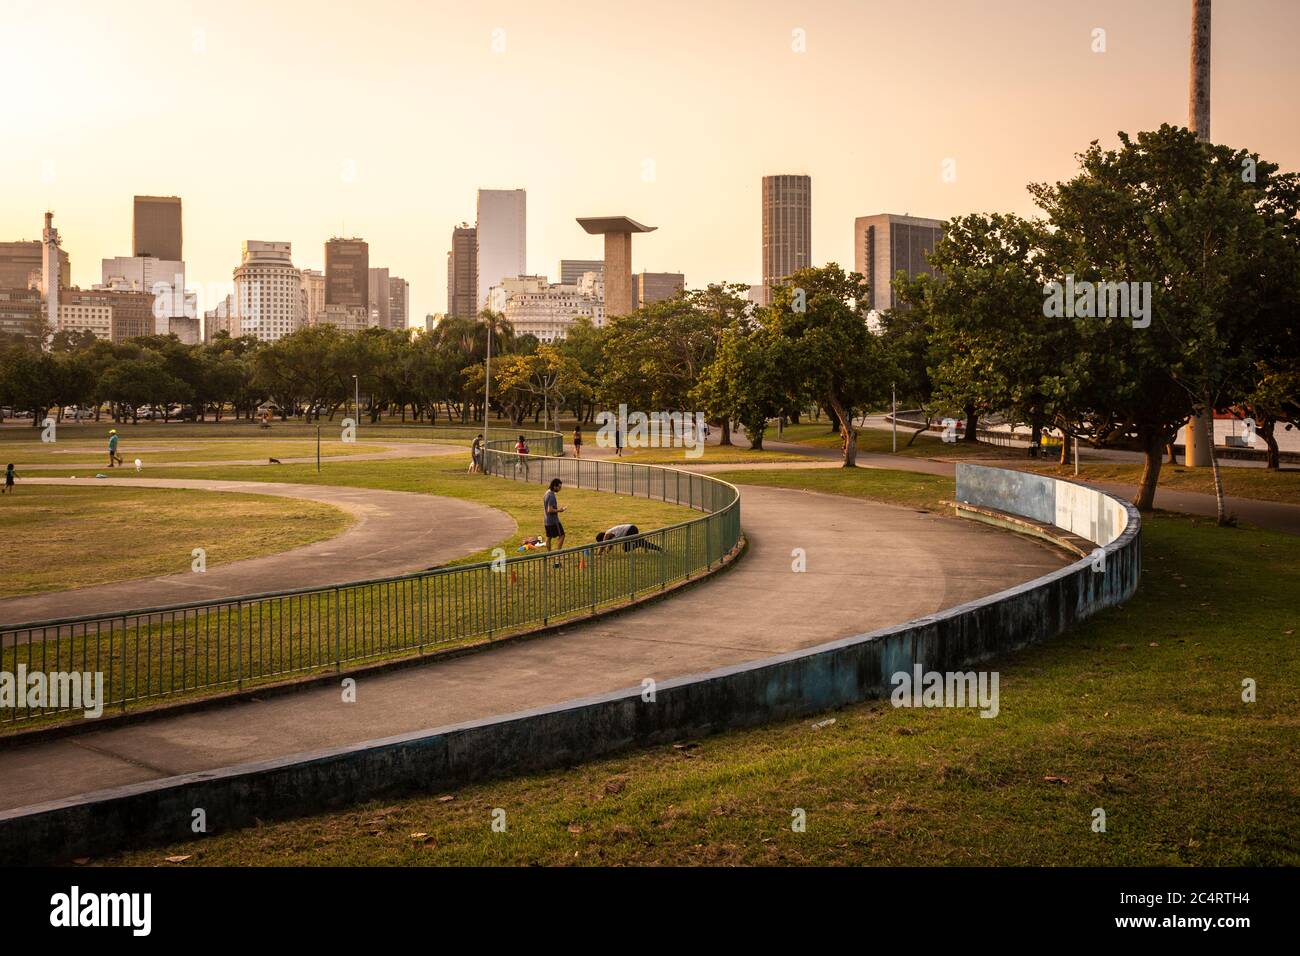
x=254, y=112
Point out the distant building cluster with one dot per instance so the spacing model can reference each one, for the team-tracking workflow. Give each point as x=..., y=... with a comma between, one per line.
x=146, y=293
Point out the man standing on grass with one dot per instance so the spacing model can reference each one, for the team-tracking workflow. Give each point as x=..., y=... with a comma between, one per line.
x=113, y=456
x=551, y=509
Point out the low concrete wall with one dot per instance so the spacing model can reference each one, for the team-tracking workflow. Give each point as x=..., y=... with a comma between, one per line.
x=804, y=682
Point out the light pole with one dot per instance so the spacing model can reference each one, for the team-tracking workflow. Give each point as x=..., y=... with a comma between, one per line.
x=487, y=380
x=356, y=399
x=893, y=416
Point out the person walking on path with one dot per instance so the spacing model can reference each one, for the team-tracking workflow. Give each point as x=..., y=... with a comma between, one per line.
x=551, y=511
x=521, y=447
x=113, y=456
x=10, y=475
x=476, y=456
x=618, y=442
x=577, y=440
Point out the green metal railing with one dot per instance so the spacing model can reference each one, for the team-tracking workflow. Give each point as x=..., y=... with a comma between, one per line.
x=202, y=647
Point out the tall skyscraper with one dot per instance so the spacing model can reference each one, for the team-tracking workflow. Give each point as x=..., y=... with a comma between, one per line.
x=377, y=300
x=502, y=238
x=787, y=228
x=885, y=244
x=399, y=302
x=51, y=281
x=572, y=270
x=157, y=227
x=462, y=273
x=268, y=292
x=347, y=273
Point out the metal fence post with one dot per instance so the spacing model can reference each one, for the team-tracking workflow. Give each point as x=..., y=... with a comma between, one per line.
x=239, y=644
x=338, y=629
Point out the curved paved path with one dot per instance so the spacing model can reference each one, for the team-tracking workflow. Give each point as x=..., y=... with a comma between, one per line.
x=393, y=532
x=868, y=565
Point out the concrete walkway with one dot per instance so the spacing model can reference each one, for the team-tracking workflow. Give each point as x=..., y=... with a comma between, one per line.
x=393, y=532
x=868, y=565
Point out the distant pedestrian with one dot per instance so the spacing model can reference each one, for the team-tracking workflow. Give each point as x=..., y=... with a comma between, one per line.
x=577, y=440
x=521, y=447
x=551, y=513
x=476, y=455
x=10, y=475
x=113, y=456
x=618, y=441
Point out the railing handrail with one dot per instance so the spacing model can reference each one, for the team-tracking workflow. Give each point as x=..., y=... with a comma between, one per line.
x=236, y=599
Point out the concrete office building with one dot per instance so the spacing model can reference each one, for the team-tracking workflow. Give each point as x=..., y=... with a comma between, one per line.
x=268, y=292
x=502, y=233
x=787, y=228
x=85, y=315
x=399, y=302
x=156, y=228
x=163, y=279
x=347, y=318
x=21, y=315
x=885, y=244
x=217, y=319
x=377, y=299
x=462, y=273
x=651, y=287
x=347, y=273
x=572, y=270
x=21, y=265
x=313, y=295
x=532, y=305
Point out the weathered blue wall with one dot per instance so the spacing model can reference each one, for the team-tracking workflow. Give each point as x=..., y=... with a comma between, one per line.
x=804, y=682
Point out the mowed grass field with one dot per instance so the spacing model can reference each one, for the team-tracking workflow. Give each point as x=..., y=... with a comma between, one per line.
x=64, y=453
x=587, y=511
x=1139, y=713
x=1238, y=482
x=54, y=538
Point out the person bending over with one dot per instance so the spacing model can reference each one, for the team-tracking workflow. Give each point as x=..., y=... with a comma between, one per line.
x=625, y=531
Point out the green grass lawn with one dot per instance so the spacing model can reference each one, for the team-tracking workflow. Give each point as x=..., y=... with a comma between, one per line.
x=156, y=451
x=879, y=441
x=712, y=455
x=587, y=511
x=1138, y=712
x=53, y=538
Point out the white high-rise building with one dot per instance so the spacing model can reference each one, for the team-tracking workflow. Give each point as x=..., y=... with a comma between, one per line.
x=50, y=278
x=268, y=292
x=164, y=279
x=502, y=238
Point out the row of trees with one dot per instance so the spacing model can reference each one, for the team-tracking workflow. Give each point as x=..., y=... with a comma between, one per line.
x=1212, y=230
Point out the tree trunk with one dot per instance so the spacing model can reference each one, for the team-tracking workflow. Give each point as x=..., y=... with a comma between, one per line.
x=1146, y=499
x=1173, y=455
x=1065, y=448
x=1219, y=505
x=725, y=437
x=1272, y=458
x=755, y=440
x=972, y=425
x=848, y=437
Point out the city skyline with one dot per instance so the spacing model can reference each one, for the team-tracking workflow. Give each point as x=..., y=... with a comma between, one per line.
x=1018, y=65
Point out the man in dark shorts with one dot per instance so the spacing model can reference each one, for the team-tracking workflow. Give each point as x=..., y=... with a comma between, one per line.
x=551, y=510
x=625, y=531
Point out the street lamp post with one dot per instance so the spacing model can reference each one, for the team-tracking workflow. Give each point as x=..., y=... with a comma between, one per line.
x=356, y=400
x=487, y=381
